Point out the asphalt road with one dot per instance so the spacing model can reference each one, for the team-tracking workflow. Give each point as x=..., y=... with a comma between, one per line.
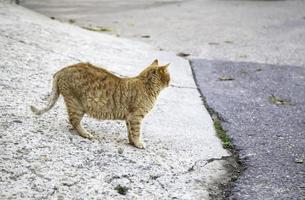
x=262, y=108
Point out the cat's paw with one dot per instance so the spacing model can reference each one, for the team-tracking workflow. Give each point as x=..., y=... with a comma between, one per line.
x=87, y=135
x=140, y=145
x=90, y=136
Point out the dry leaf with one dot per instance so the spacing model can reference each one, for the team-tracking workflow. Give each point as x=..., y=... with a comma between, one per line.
x=225, y=78
x=145, y=36
x=297, y=160
x=182, y=54
x=243, y=56
x=228, y=42
x=213, y=43
x=279, y=101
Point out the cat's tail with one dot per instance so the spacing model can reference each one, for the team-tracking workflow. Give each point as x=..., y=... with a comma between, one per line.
x=51, y=100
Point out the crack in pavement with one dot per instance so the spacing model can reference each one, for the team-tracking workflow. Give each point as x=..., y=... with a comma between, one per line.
x=183, y=87
x=207, y=161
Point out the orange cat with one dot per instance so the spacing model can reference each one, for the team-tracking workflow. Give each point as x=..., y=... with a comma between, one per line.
x=90, y=90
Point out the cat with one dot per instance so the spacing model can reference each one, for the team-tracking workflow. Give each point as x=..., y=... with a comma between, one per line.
x=94, y=91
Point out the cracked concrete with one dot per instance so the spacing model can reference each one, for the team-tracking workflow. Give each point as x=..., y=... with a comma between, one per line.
x=42, y=158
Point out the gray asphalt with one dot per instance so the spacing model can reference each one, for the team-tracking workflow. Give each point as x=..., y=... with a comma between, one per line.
x=262, y=109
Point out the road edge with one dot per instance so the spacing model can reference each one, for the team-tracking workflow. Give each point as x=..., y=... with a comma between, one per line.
x=222, y=187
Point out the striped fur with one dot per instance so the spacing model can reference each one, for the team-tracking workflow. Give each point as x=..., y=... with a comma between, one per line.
x=94, y=91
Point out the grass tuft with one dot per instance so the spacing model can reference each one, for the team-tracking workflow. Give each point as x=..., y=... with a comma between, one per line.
x=97, y=28
x=121, y=189
x=222, y=135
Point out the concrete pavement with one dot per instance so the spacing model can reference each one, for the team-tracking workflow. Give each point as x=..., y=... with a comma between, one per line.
x=42, y=158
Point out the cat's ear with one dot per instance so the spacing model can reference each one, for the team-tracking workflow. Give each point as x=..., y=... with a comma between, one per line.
x=164, y=68
x=155, y=62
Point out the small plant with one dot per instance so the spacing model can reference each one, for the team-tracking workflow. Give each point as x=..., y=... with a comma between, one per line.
x=121, y=189
x=72, y=21
x=222, y=135
x=97, y=28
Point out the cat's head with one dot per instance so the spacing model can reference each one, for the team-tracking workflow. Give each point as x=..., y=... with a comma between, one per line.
x=157, y=74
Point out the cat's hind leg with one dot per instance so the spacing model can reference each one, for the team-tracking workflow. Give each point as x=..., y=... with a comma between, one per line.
x=134, y=132
x=76, y=113
x=129, y=133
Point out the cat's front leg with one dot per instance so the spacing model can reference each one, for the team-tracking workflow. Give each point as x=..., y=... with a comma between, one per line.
x=134, y=132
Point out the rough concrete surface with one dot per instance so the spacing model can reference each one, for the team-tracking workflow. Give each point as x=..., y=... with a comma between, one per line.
x=42, y=158
x=237, y=30
x=262, y=108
